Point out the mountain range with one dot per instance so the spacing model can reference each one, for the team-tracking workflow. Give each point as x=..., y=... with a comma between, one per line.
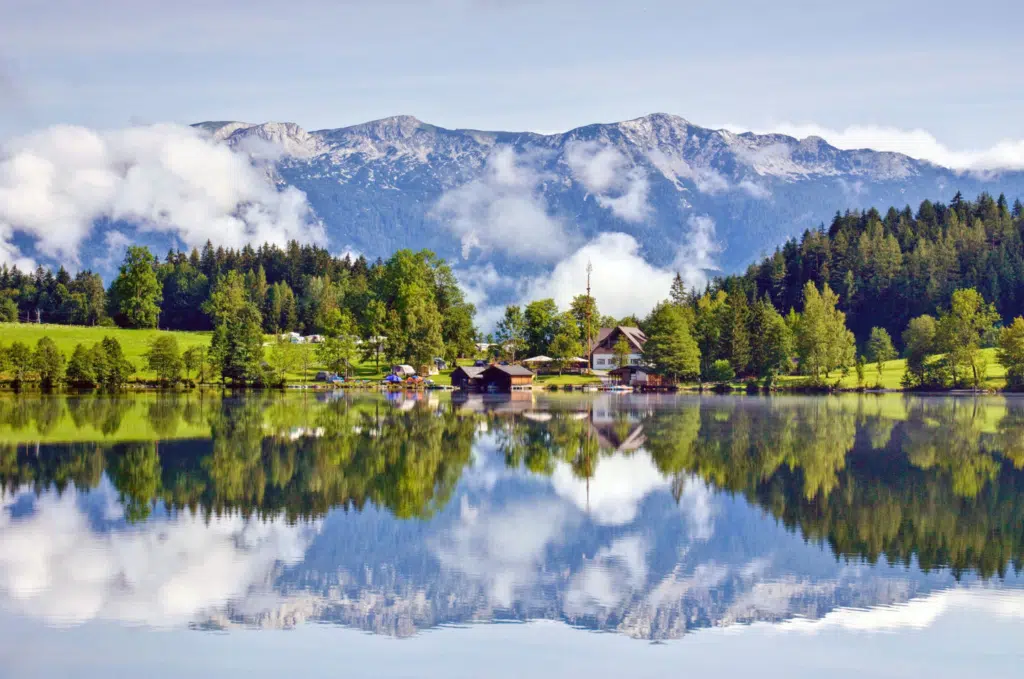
x=521, y=200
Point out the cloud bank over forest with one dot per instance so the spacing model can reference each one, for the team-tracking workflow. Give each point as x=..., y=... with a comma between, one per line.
x=56, y=184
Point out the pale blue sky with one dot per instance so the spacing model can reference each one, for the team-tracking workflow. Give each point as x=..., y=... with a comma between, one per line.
x=950, y=68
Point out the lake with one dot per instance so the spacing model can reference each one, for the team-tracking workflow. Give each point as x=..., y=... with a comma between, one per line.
x=543, y=535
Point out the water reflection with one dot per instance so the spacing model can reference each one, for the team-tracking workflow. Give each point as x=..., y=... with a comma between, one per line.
x=651, y=516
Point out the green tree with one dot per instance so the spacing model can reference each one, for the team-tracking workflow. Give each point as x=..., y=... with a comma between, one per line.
x=670, y=348
x=237, y=342
x=919, y=344
x=566, y=344
x=8, y=310
x=823, y=343
x=772, y=346
x=880, y=348
x=338, y=349
x=284, y=358
x=678, y=294
x=164, y=358
x=136, y=292
x=192, y=360
x=736, y=336
x=539, y=331
x=80, y=371
x=19, y=360
x=621, y=352
x=584, y=309
x=1011, y=353
x=113, y=370
x=959, y=331
x=709, y=324
x=49, y=363
x=374, y=324
x=511, y=331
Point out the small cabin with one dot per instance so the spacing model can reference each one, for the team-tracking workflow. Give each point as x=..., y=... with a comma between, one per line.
x=506, y=378
x=467, y=378
x=638, y=376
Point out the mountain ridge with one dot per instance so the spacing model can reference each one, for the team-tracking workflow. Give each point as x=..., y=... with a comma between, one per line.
x=377, y=185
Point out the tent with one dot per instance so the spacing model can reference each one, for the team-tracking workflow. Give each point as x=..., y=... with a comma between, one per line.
x=538, y=359
x=393, y=378
x=577, y=359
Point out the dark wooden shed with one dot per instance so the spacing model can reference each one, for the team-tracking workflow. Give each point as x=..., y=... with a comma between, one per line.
x=467, y=378
x=506, y=378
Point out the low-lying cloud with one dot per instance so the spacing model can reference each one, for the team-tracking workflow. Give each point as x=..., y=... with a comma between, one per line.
x=505, y=209
x=623, y=281
x=56, y=184
x=616, y=182
x=917, y=143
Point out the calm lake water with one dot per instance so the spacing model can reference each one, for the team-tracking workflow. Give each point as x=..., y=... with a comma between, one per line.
x=542, y=535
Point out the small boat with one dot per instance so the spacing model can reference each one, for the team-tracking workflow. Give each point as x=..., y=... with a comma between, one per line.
x=621, y=388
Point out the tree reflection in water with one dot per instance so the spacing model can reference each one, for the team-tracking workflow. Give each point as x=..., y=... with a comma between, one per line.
x=939, y=482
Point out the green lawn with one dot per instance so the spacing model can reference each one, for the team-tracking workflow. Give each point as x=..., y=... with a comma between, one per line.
x=135, y=343
x=893, y=371
x=565, y=380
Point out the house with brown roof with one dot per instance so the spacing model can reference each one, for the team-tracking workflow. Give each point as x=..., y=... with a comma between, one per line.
x=603, y=355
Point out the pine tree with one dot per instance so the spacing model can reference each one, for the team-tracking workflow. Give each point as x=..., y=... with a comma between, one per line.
x=678, y=294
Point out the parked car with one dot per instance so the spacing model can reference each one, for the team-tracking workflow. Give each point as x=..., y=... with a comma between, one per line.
x=480, y=363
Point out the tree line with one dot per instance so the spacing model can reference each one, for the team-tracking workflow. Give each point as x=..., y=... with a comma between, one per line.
x=407, y=309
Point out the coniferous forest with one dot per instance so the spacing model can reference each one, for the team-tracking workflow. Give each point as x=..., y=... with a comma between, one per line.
x=887, y=269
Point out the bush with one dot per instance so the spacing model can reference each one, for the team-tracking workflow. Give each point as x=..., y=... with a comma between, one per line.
x=721, y=372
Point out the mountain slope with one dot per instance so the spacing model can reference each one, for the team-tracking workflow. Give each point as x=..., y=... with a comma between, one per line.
x=382, y=185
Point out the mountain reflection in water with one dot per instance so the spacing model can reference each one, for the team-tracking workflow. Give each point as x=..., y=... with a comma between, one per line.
x=649, y=515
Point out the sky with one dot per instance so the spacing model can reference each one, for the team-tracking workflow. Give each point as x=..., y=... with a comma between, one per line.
x=949, y=69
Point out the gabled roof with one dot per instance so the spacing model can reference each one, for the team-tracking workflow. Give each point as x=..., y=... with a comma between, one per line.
x=470, y=370
x=512, y=370
x=634, y=336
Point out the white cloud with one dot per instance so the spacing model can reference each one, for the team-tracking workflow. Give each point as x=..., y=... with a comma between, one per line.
x=168, y=572
x=754, y=189
x=504, y=209
x=503, y=549
x=56, y=183
x=610, y=578
x=697, y=255
x=614, y=493
x=916, y=143
x=623, y=282
x=617, y=184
